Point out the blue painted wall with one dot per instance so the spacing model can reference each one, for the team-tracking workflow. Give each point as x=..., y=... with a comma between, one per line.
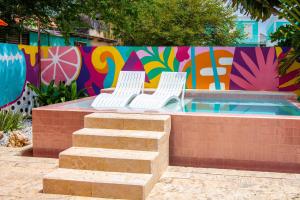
x=12, y=73
x=52, y=40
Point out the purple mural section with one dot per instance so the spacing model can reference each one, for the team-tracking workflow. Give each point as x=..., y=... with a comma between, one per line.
x=133, y=63
x=89, y=78
x=254, y=69
x=32, y=71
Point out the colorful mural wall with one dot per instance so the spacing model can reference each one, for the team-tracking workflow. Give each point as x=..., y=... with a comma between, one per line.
x=94, y=68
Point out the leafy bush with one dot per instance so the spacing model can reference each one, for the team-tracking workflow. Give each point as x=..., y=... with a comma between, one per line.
x=288, y=36
x=10, y=121
x=51, y=94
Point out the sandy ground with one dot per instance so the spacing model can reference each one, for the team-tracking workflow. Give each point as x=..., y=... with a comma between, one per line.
x=21, y=178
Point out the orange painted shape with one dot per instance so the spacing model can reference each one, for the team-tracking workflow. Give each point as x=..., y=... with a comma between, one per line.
x=3, y=23
x=203, y=63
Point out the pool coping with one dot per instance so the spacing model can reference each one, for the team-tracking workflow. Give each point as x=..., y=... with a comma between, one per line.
x=291, y=97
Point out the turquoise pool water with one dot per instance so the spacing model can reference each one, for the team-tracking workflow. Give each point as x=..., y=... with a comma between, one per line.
x=222, y=105
x=241, y=106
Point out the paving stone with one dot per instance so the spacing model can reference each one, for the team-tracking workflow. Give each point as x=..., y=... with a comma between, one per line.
x=187, y=183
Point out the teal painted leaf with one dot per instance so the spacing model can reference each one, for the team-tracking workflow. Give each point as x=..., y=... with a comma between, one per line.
x=176, y=65
x=166, y=54
x=148, y=59
x=155, y=72
x=156, y=52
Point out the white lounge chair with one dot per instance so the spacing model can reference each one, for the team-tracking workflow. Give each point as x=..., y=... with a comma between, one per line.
x=129, y=85
x=170, y=87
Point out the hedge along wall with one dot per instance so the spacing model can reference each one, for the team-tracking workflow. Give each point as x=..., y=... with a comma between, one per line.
x=94, y=68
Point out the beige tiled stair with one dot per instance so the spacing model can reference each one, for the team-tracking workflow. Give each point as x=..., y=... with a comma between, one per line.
x=115, y=156
x=120, y=139
x=134, y=122
x=114, y=160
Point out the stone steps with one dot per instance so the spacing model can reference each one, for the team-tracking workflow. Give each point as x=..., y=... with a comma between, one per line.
x=117, y=160
x=114, y=156
x=98, y=184
x=134, y=122
x=119, y=139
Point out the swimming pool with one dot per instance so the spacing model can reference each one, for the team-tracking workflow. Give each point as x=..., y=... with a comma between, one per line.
x=223, y=129
x=242, y=106
x=222, y=105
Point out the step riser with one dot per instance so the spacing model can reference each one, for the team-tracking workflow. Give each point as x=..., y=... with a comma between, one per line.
x=103, y=190
x=105, y=164
x=162, y=160
x=142, y=144
x=100, y=163
x=127, y=124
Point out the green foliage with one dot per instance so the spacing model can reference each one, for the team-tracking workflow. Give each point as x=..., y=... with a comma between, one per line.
x=285, y=36
x=263, y=9
x=257, y=9
x=27, y=13
x=51, y=94
x=288, y=36
x=170, y=23
x=10, y=121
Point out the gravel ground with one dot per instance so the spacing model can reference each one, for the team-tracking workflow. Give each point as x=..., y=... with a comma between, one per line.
x=27, y=131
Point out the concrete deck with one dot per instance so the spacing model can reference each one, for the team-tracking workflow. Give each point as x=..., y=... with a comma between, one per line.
x=21, y=178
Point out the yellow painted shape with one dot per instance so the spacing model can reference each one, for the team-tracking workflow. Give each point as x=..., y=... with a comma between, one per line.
x=45, y=52
x=152, y=65
x=290, y=82
x=161, y=56
x=153, y=83
x=99, y=60
x=294, y=66
x=278, y=51
x=171, y=59
x=31, y=51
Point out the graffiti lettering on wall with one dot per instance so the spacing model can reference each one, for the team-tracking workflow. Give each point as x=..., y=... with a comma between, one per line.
x=94, y=68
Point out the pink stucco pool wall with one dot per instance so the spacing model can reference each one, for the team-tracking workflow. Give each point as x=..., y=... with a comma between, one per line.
x=252, y=142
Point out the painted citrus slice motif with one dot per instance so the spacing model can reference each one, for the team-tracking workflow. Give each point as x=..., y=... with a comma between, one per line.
x=61, y=64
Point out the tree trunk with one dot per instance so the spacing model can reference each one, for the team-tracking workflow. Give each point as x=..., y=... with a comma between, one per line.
x=39, y=53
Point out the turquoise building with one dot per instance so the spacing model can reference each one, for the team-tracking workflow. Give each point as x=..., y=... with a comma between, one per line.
x=57, y=40
x=53, y=38
x=258, y=33
x=250, y=29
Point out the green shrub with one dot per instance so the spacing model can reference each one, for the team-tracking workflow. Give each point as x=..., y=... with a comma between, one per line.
x=51, y=94
x=10, y=121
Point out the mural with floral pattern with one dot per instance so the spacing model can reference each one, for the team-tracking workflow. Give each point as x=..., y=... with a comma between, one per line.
x=94, y=68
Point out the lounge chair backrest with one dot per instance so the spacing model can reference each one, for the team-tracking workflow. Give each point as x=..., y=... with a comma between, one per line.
x=171, y=84
x=130, y=82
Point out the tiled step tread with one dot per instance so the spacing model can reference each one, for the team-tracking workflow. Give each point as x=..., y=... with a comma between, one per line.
x=99, y=176
x=110, y=153
x=120, y=133
x=128, y=121
x=127, y=116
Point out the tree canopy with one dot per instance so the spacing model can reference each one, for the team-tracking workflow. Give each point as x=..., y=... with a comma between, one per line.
x=64, y=15
x=134, y=22
x=176, y=22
